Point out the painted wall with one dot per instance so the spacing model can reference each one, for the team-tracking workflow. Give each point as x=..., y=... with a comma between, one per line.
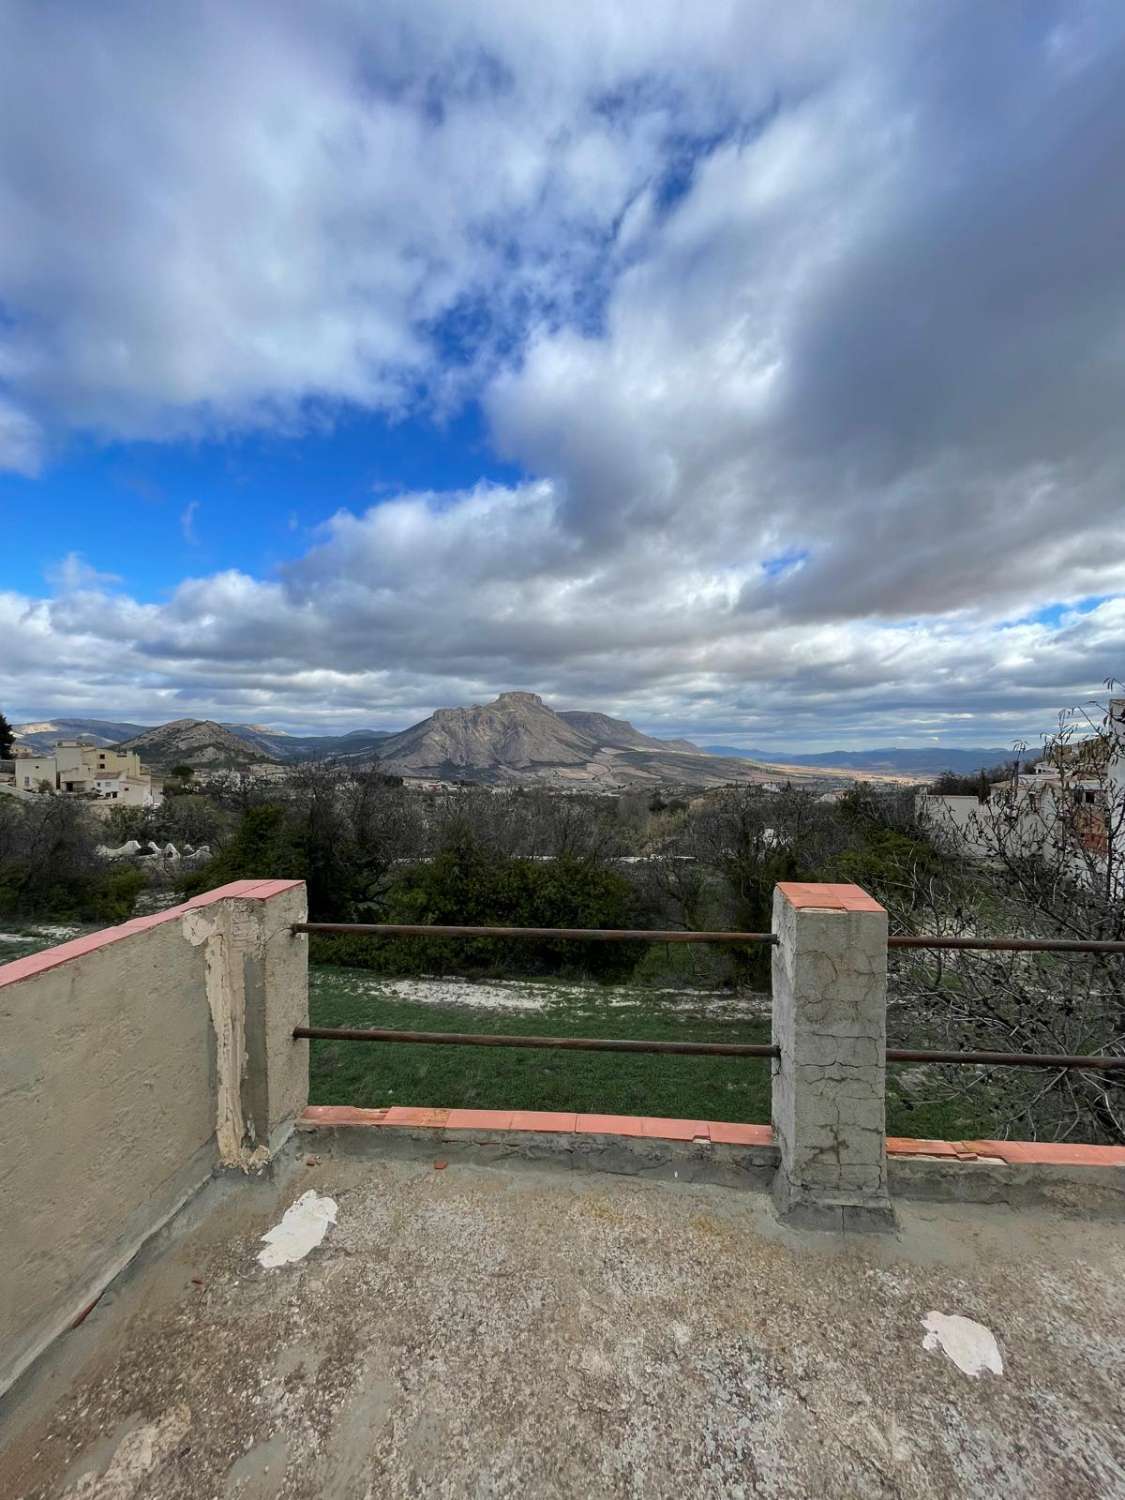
x=126, y=1076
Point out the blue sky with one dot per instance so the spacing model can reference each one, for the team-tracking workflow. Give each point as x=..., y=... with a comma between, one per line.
x=754, y=375
x=248, y=500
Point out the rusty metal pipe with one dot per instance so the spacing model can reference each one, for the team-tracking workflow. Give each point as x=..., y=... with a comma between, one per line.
x=1009, y=945
x=701, y=1049
x=1007, y=1059
x=561, y=1043
x=575, y=934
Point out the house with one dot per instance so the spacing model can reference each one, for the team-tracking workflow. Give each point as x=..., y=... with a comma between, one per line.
x=1071, y=802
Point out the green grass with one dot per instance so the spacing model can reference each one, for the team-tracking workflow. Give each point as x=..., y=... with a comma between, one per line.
x=373, y=1074
x=19, y=937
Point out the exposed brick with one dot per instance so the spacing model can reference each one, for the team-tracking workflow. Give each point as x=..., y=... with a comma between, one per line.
x=401, y=1115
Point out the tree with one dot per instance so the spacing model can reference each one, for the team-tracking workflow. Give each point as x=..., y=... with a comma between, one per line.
x=7, y=739
x=183, y=773
x=1047, y=858
x=49, y=864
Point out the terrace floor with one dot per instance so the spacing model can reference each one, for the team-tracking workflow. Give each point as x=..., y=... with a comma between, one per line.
x=471, y=1330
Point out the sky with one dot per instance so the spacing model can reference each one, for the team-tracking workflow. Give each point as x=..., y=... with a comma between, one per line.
x=753, y=372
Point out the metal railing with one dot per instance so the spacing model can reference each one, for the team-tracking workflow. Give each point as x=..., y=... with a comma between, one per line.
x=1105, y=1063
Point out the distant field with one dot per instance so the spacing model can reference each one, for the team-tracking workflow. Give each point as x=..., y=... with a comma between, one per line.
x=18, y=939
x=373, y=1074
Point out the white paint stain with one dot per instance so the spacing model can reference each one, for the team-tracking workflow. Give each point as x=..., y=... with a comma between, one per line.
x=971, y=1346
x=303, y=1225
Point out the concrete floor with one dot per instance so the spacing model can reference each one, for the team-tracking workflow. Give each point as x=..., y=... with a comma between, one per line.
x=478, y=1331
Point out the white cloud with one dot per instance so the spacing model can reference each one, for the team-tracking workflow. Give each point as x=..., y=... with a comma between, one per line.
x=840, y=287
x=187, y=522
x=21, y=442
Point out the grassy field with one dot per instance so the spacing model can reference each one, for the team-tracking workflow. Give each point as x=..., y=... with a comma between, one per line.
x=374, y=1074
x=19, y=939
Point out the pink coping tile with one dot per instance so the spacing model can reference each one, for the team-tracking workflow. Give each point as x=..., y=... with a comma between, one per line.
x=1054, y=1153
x=341, y=1114
x=674, y=1130
x=901, y=1145
x=827, y=895
x=400, y=1114
x=479, y=1119
x=51, y=958
x=543, y=1119
x=261, y=890
x=723, y=1134
x=610, y=1125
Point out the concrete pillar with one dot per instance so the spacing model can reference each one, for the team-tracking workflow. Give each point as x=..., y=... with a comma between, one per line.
x=830, y=1022
x=257, y=990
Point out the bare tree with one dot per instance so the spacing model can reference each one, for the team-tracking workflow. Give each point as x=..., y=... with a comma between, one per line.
x=1046, y=856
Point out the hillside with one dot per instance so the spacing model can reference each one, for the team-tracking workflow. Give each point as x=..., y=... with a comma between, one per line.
x=619, y=734
x=193, y=742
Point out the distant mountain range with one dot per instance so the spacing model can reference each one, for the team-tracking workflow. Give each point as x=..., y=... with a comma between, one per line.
x=928, y=762
x=201, y=742
x=41, y=735
x=517, y=738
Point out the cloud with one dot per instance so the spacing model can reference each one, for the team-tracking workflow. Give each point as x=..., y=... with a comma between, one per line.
x=21, y=442
x=806, y=331
x=187, y=522
x=73, y=575
x=374, y=626
x=245, y=216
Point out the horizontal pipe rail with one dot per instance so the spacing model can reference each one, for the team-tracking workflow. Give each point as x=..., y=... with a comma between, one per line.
x=1007, y=1059
x=701, y=1049
x=563, y=1043
x=650, y=935
x=1009, y=945
x=576, y=934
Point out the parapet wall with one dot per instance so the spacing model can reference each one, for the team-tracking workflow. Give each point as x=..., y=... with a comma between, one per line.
x=124, y=1082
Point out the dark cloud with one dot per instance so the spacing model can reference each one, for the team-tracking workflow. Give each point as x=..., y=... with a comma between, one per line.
x=810, y=329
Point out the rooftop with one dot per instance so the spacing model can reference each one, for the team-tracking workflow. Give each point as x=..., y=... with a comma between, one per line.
x=213, y=1289
x=515, y=1329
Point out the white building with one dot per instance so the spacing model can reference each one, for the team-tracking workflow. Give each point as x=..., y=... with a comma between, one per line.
x=102, y=773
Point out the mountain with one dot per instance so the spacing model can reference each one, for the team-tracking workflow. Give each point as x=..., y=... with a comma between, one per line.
x=518, y=738
x=517, y=732
x=619, y=734
x=930, y=761
x=42, y=735
x=193, y=742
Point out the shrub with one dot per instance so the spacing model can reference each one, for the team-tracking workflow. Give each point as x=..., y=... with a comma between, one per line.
x=468, y=885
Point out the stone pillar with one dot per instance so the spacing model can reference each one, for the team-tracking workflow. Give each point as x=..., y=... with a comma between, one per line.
x=258, y=990
x=830, y=1022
